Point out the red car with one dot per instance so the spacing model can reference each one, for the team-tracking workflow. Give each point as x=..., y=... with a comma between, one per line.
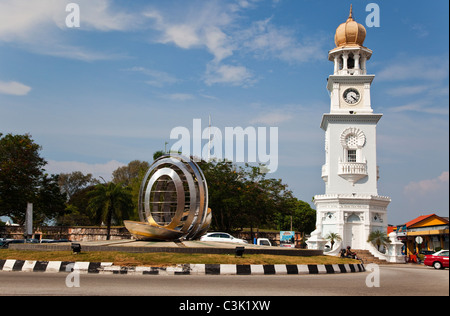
x=438, y=260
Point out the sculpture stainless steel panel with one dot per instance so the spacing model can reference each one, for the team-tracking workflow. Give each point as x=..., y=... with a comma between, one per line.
x=173, y=201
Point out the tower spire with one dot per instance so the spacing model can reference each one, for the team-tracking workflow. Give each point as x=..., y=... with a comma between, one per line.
x=350, y=16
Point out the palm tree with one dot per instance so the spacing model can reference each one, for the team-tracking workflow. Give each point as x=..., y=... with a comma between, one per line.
x=333, y=237
x=378, y=238
x=110, y=201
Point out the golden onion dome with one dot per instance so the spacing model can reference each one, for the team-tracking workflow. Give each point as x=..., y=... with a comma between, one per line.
x=350, y=33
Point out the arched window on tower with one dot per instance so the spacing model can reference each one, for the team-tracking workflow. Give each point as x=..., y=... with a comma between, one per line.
x=352, y=145
x=350, y=62
x=352, y=141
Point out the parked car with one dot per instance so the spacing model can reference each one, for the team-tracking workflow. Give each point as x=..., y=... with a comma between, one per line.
x=7, y=242
x=438, y=260
x=52, y=241
x=222, y=237
x=3, y=241
x=263, y=242
x=426, y=252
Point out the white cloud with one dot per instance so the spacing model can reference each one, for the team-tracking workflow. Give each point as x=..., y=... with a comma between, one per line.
x=432, y=68
x=97, y=170
x=425, y=187
x=101, y=15
x=271, y=118
x=218, y=43
x=424, y=78
x=157, y=78
x=20, y=17
x=423, y=106
x=268, y=41
x=421, y=30
x=24, y=19
x=201, y=28
x=39, y=26
x=408, y=90
x=215, y=26
x=184, y=36
x=14, y=88
x=212, y=27
x=428, y=89
x=180, y=97
x=74, y=52
x=228, y=74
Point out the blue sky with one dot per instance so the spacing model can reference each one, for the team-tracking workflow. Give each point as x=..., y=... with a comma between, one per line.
x=109, y=92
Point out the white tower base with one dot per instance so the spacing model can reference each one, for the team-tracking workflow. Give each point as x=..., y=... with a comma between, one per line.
x=351, y=216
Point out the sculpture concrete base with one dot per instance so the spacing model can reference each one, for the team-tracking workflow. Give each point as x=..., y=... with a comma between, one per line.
x=145, y=231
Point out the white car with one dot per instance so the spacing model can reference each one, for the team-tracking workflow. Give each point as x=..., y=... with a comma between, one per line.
x=222, y=237
x=263, y=242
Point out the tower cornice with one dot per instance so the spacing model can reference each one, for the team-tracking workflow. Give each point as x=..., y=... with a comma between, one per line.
x=349, y=118
x=350, y=49
x=345, y=79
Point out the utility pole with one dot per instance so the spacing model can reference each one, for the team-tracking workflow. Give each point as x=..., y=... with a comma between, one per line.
x=29, y=221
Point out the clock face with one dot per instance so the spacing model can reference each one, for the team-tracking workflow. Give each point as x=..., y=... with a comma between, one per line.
x=352, y=96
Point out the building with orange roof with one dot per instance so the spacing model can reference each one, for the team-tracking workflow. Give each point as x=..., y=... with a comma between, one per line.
x=425, y=233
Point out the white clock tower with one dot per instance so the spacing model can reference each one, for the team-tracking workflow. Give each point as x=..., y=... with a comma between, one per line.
x=351, y=206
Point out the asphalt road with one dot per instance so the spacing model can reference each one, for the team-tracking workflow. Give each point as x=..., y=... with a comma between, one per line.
x=398, y=280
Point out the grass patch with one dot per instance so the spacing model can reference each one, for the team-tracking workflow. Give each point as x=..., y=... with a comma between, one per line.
x=164, y=259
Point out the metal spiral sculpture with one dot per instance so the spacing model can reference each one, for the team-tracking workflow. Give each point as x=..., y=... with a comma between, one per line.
x=173, y=201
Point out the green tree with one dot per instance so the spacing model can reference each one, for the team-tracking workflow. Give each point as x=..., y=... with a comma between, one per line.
x=131, y=176
x=297, y=212
x=49, y=202
x=110, y=202
x=158, y=154
x=129, y=173
x=23, y=179
x=244, y=197
x=21, y=169
x=225, y=190
x=71, y=183
x=76, y=212
x=378, y=238
x=306, y=217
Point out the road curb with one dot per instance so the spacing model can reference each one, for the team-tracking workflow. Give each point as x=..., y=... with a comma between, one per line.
x=184, y=269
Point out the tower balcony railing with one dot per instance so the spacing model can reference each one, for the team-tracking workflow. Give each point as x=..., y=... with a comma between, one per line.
x=351, y=71
x=353, y=168
x=352, y=171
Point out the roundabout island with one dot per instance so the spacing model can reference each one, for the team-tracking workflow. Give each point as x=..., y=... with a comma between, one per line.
x=193, y=257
